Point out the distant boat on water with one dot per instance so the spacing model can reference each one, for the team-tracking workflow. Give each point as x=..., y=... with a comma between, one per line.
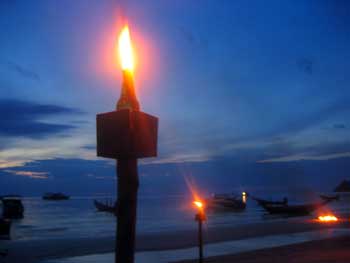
x=330, y=198
x=263, y=202
x=343, y=190
x=225, y=202
x=106, y=207
x=55, y=196
x=282, y=207
x=294, y=210
x=12, y=207
x=343, y=187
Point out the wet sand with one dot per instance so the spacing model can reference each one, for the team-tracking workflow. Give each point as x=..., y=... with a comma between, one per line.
x=31, y=251
x=333, y=250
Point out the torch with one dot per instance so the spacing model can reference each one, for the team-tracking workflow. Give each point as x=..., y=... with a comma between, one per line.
x=244, y=197
x=126, y=135
x=200, y=217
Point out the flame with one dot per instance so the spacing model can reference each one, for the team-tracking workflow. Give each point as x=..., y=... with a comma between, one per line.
x=125, y=50
x=328, y=218
x=198, y=204
x=244, y=197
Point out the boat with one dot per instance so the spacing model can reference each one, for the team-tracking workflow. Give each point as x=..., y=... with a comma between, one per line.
x=106, y=207
x=293, y=210
x=225, y=202
x=330, y=198
x=55, y=196
x=343, y=187
x=263, y=202
x=12, y=207
x=5, y=227
x=343, y=190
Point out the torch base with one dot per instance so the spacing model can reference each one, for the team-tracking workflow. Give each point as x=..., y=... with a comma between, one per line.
x=126, y=134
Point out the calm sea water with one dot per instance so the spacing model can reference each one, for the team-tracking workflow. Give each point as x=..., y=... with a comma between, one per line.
x=78, y=217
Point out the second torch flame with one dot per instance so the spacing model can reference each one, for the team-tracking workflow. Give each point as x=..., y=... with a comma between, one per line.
x=198, y=204
x=125, y=50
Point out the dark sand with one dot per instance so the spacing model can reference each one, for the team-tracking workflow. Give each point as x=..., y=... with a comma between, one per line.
x=31, y=251
x=333, y=250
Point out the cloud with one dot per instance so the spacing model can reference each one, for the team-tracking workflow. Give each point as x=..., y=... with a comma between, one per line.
x=89, y=147
x=306, y=147
x=23, y=119
x=339, y=126
x=306, y=157
x=85, y=177
x=8, y=164
x=30, y=174
x=308, y=120
x=22, y=71
x=180, y=158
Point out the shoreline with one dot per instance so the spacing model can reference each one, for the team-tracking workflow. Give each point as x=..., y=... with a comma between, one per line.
x=335, y=250
x=31, y=251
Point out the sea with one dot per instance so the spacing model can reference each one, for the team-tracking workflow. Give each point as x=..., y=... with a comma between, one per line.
x=78, y=218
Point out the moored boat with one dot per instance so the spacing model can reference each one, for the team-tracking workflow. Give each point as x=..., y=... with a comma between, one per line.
x=225, y=202
x=343, y=190
x=330, y=198
x=55, y=196
x=263, y=202
x=293, y=210
x=343, y=187
x=106, y=207
x=12, y=207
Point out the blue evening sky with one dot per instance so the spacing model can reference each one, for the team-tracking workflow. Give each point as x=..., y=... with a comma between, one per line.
x=249, y=93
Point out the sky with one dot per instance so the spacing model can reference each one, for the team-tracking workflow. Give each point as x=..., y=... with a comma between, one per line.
x=249, y=94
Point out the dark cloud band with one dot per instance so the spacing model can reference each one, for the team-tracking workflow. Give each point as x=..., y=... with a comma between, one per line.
x=22, y=118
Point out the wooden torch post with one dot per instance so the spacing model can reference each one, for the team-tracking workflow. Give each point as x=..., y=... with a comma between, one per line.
x=126, y=135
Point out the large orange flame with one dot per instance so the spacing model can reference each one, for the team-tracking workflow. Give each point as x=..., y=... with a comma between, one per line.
x=125, y=50
x=328, y=218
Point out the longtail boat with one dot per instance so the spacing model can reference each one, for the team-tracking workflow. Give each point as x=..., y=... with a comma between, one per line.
x=263, y=202
x=294, y=210
x=106, y=207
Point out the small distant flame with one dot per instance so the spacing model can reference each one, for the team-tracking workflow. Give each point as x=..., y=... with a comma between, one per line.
x=125, y=50
x=244, y=193
x=328, y=218
x=198, y=204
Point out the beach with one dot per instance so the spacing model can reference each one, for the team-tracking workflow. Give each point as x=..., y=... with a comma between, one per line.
x=335, y=250
x=179, y=242
x=73, y=231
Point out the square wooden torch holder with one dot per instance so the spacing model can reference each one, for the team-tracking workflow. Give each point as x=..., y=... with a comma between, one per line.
x=125, y=134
